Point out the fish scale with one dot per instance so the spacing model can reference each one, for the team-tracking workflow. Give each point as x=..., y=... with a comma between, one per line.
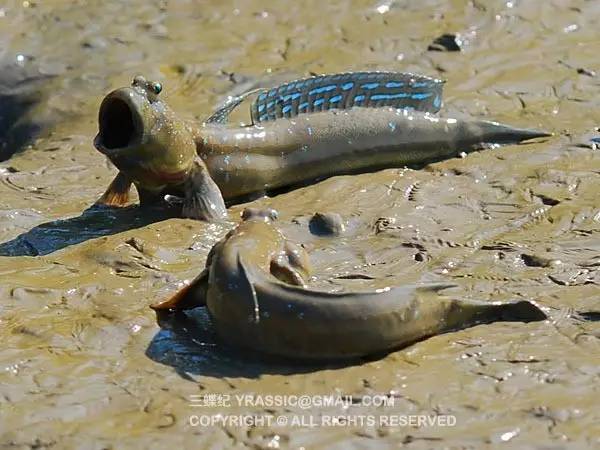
x=347, y=90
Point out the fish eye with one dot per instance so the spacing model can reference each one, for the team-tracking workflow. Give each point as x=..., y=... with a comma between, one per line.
x=157, y=87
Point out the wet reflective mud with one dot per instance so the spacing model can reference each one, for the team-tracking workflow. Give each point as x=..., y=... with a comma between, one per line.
x=83, y=362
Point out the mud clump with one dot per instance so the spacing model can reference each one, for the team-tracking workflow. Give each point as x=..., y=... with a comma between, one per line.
x=327, y=224
x=448, y=42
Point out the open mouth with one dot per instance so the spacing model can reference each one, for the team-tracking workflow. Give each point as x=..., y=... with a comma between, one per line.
x=117, y=121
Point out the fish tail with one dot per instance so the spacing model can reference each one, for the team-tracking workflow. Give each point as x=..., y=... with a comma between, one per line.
x=463, y=313
x=494, y=132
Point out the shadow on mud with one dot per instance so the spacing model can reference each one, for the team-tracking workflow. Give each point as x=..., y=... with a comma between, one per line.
x=16, y=133
x=187, y=342
x=21, y=91
x=93, y=223
x=590, y=316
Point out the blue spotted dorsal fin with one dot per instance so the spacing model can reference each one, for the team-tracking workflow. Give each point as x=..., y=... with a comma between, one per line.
x=346, y=90
x=221, y=114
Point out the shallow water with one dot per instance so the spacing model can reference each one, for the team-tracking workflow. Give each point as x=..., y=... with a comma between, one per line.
x=84, y=363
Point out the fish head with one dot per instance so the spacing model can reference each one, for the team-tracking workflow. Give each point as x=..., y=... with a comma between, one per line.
x=267, y=215
x=142, y=136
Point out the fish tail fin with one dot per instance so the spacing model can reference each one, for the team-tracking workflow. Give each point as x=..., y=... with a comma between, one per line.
x=471, y=312
x=494, y=132
x=188, y=297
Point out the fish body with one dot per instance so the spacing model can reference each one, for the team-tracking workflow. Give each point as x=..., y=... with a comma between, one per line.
x=254, y=287
x=262, y=157
x=303, y=131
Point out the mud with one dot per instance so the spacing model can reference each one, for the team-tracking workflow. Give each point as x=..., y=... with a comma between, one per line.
x=83, y=362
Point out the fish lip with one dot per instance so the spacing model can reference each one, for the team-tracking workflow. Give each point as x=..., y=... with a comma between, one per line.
x=120, y=121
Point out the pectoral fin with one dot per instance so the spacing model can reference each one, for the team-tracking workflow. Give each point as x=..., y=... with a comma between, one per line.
x=117, y=193
x=203, y=199
x=298, y=259
x=283, y=271
x=191, y=296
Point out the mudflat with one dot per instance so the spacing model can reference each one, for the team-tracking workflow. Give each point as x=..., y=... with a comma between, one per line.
x=83, y=362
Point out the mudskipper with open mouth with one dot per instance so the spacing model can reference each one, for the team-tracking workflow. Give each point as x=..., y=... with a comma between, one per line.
x=302, y=131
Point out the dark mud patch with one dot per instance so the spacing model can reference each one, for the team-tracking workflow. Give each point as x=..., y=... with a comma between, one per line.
x=22, y=90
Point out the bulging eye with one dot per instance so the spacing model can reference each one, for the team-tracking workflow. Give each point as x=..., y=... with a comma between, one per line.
x=157, y=88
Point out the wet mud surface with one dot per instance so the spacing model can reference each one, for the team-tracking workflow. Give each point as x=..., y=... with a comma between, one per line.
x=83, y=363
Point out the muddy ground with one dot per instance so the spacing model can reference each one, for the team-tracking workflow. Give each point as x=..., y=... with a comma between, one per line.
x=83, y=363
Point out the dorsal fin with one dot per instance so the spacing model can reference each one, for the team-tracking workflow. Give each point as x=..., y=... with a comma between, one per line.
x=221, y=114
x=346, y=90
